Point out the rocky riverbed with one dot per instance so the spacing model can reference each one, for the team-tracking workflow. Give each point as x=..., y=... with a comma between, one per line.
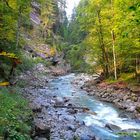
x=49, y=121
x=119, y=94
x=62, y=111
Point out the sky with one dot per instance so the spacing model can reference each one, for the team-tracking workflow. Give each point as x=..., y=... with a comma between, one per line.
x=70, y=5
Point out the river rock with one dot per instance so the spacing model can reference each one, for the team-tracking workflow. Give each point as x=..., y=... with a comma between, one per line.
x=126, y=97
x=71, y=127
x=131, y=108
x=84, y=133
x=116, y=101
x=112, y=127
x=59, y=101
x=123, y=115
x=67, y=118
x=72, y=111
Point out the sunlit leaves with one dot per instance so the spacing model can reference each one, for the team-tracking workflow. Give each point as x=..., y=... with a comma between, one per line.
x=4, y=84
x=9, y=55
x=121, y=16
x=13, y=4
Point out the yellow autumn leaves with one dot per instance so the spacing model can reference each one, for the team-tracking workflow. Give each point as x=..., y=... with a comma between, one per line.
x=9, y=55
x=4, y=84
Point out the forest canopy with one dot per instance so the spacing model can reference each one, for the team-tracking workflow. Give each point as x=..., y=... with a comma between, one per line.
x=110, y=34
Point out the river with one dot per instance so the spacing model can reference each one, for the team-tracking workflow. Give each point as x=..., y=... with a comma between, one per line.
x=105, y=113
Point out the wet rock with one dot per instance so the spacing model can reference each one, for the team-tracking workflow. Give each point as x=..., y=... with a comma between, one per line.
x=123, y=115
x=80, y=122
x=112, y=127
x=84, y=133
x=137, y=121
x=72, y=111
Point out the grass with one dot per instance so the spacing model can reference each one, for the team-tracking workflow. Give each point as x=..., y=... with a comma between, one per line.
x=127, y=77
x=123, y=77
x=15, y=116
x=136, y=135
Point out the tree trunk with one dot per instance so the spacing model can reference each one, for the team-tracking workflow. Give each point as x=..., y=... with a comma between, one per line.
x=102, y=46
x=113, y=43
x=137, y=75
x=114, y=55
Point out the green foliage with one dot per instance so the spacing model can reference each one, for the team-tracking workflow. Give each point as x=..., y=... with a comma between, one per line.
x=15, y=116
x=17, y=29
x=75, y=56
x=136, y=135
x=9, y=55
x=27, y=63
x=94, y=31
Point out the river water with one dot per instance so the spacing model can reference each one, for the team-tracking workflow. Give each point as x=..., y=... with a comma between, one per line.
x=105, y=112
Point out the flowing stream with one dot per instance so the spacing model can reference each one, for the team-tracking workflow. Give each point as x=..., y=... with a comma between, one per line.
x=105, y=112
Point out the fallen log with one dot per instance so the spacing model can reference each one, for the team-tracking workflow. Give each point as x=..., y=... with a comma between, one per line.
x=91, y=113
x=73, y=107
x=84, y=109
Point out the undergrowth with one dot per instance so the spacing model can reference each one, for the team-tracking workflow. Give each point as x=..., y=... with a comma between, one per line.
x=124, y=77
x=15, y=116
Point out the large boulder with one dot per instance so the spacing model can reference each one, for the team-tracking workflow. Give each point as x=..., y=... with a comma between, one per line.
x=112, y=127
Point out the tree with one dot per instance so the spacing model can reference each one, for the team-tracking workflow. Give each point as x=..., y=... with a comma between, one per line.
x=111, y=30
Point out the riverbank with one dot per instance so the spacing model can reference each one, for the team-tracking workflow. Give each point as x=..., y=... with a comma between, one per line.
x=118, y=93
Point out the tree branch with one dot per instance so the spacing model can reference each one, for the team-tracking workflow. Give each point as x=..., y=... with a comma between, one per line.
x=7, y=4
